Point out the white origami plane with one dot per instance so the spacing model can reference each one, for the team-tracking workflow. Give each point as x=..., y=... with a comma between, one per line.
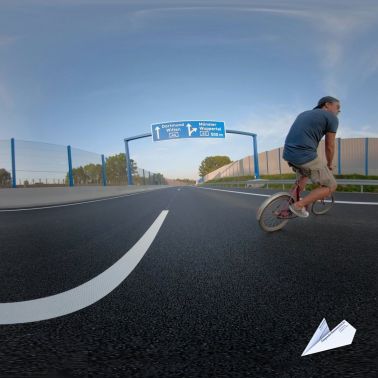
x=324, y=339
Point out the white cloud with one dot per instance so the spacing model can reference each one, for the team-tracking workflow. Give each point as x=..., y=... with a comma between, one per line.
x=143, y=18
x=271, y=126
x=336, y=33
x=334, y=28
x=369, y=60
x=365, y=131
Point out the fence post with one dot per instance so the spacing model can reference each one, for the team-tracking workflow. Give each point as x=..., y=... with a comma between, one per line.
x=13, y=156
x=366, y=156
x=339, y=157
x=70, y=176
x=104, y=180
x=267, y=163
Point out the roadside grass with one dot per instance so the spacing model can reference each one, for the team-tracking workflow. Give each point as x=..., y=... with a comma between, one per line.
x=291, y=176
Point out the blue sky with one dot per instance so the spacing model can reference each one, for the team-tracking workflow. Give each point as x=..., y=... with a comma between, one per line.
x=90, y=73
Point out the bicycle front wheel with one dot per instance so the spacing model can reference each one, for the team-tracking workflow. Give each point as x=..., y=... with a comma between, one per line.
x=274, y=212
x=321, y=207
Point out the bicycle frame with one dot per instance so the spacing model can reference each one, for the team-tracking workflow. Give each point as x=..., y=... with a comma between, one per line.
x=295, y=193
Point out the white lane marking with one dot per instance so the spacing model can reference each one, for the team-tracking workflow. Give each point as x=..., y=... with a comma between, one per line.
x=268, y=195
x=357, y=203
x=233, y=191
x=77, y=203
x=86, y=294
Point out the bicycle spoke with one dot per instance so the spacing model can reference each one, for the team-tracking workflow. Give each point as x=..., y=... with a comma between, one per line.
x=322, y=206
x=270, y=219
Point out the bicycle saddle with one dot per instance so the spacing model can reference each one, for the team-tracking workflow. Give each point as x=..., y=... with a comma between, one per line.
x=302, y=171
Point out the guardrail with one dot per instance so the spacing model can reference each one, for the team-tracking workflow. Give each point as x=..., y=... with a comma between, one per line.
x=261, y=183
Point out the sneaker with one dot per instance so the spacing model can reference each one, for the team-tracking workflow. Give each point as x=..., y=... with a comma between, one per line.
x=303, y=213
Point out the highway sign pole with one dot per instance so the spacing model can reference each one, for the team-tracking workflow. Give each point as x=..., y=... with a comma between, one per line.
x=128, y=161
x=256, y=157
x=128, y=164
x=255, y=152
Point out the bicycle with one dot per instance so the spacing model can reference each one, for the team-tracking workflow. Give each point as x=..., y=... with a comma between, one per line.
x=274, y=212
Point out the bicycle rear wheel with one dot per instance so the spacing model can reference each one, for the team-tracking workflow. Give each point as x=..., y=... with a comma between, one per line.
x=274, y=212
x=321, y=207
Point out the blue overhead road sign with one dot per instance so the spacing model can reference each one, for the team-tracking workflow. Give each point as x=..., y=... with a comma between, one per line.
x=187, y=129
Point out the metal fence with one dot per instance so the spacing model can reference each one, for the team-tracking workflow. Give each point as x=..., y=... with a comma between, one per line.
x=369, y=185
x=36, y=164
x=352, y=156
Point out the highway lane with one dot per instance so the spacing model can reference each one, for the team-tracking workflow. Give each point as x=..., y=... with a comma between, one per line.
x=45, y=251
x=213, y=296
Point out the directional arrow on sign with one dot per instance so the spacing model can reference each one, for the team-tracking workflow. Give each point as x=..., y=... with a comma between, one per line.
x=157, y=128
x=190, y=129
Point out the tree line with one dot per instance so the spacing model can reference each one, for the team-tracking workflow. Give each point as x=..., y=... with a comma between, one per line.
x=116, y=173
x=5, y=178
x=211, y=163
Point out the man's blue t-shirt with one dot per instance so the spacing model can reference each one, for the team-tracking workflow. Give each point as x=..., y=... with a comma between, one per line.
x=305, y=134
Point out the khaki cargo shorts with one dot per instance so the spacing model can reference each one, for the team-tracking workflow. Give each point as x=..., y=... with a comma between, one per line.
x=319, y=173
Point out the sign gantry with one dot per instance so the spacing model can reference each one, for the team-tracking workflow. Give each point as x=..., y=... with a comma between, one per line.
x=189, y=130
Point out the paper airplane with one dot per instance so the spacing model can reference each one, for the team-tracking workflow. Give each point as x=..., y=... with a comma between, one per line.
x=324, y=339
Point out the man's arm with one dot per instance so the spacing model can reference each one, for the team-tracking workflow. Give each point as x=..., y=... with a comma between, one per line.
x=330, y=148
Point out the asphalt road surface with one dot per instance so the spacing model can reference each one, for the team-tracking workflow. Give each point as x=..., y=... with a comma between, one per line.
x=213, y=296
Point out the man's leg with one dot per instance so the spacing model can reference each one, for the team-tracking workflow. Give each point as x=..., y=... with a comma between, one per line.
x=322, y=175
x=314, y=195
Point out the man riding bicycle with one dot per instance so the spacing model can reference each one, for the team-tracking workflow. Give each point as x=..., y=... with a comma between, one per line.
x=300, y=150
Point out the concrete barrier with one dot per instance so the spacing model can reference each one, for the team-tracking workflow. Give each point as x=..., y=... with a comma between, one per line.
x=35, y=197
